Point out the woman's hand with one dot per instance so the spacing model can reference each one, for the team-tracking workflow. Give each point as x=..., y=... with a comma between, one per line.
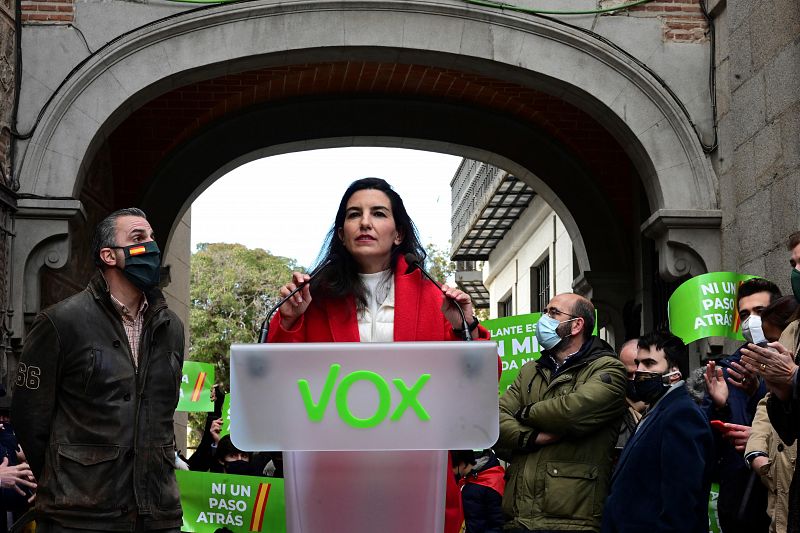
x=775, y=364
x=297, y=304
x=451, y=311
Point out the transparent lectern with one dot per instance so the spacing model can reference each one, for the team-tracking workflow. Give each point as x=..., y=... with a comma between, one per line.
x=364, y=427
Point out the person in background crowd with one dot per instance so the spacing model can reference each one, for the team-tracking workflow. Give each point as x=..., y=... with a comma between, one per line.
x=462, y=462
x=17, y=484
x=627, y=355
x=733, y=392
x=202, y=460
x=482, y=495
x=560, y=418
x=766, y=454
x=96, y=389
x=232, y=460
x=663, y=478
x=777, y=365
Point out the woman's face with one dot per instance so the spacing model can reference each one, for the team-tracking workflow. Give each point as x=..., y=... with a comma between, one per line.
x=369, y=232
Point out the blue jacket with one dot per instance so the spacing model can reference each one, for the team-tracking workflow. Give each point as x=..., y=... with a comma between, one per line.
x=663, y=477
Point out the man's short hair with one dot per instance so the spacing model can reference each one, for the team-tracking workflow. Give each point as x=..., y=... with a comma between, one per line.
x=793, y=241
x=462, y=456
x=104, y=233
x=675, y=350
x=756, y=285
x=584, y=309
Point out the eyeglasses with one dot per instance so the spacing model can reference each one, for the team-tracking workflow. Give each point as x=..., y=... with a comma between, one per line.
x=553, y=312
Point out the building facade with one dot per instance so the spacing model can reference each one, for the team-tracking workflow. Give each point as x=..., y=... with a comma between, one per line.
x=664, y=136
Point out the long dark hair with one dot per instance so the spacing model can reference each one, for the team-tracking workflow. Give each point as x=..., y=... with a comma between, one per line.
x=781, y=312
x=341, y=279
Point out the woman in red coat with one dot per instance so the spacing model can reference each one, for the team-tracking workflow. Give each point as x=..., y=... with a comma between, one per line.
x=366, y=293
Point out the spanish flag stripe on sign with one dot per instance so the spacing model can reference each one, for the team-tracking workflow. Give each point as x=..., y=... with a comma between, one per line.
x=737, y=323
x=138, y=250
x=198, y=386
x=259, y=507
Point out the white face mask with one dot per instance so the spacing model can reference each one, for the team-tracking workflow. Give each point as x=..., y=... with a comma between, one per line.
x=753, y=331
x=665, y=377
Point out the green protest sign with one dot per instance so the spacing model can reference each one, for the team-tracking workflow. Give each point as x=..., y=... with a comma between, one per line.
x=713, y=516
x=705, y=306
x=196, y=383
x=240, y=503
x=226, y=416
x=516, y=344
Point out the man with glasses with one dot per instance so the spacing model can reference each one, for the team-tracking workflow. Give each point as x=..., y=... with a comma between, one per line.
x=560, y=420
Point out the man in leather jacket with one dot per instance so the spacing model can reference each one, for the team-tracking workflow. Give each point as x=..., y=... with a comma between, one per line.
x=96, y=390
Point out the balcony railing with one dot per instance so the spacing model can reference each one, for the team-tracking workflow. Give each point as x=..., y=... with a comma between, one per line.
x=485, y=203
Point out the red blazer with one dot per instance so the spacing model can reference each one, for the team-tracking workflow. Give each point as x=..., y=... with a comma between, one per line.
x=417, y=315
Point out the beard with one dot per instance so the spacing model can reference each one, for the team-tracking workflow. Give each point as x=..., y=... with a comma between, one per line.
x=564, y=330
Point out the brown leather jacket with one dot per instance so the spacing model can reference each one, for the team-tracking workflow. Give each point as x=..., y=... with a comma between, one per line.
x=98, y=432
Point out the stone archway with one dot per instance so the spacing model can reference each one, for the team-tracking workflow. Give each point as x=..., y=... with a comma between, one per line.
x=643, y=118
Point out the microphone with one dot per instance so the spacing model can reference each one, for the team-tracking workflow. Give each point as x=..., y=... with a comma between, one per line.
x=262, y=337
x=414, y=263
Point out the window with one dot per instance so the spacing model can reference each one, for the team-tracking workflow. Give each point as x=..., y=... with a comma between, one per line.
x=540, y=285
x=505, y=307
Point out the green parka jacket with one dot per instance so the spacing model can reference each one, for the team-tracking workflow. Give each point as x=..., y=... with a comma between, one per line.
x=97, y=430
x=562, y=485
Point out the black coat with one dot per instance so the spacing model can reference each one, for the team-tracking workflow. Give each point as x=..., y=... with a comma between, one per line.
x=663, y=477
x=98, y=432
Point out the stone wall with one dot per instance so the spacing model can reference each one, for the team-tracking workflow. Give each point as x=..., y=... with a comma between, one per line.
x=7, y=97
x=758, y=161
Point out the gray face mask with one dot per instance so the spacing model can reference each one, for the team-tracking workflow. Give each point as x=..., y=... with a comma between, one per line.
x=752, y=330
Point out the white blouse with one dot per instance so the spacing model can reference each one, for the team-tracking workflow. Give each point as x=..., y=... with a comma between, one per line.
x=376, y=322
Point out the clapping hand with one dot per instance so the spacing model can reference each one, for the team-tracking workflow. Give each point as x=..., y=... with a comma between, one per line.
x=775, y=364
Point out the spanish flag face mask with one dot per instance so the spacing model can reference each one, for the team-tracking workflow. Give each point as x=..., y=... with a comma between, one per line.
x=142, y=264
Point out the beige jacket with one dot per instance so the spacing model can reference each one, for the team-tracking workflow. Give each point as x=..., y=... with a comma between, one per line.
x=777, y=473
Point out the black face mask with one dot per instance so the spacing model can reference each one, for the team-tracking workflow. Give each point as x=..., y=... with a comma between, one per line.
x=142, y=264
x=648, y=386
x=239, y=468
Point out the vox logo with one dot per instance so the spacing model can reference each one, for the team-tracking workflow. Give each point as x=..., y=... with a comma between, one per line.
x=408, y=397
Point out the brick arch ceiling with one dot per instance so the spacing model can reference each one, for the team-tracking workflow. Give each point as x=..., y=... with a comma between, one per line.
x=150, y=133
